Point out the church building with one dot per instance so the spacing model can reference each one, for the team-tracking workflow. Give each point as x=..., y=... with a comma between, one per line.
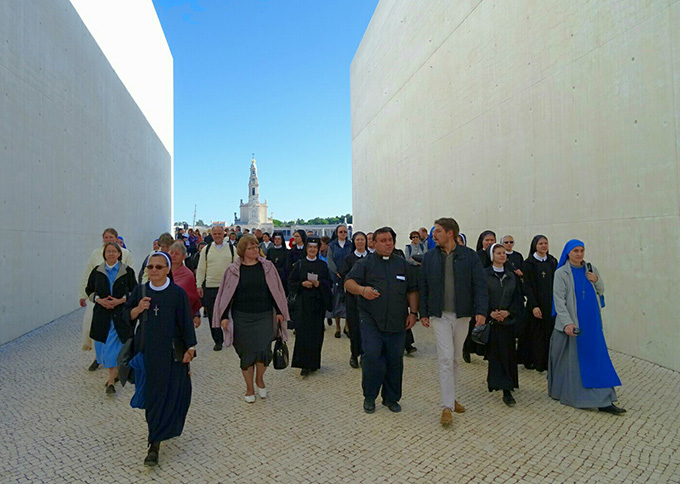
x=254, y=214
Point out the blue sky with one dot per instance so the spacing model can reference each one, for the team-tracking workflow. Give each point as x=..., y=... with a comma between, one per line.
x=263, y=77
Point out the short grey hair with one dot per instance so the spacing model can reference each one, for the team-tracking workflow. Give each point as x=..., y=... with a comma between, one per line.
x=179, y=247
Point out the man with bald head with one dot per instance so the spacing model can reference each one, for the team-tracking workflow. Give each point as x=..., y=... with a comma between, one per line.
x=212, y=262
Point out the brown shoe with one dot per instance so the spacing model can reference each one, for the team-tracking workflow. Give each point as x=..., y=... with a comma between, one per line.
x=458, y=408
x=447, y=417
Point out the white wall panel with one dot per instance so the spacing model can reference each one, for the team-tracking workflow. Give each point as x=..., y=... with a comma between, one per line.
x=76, y=155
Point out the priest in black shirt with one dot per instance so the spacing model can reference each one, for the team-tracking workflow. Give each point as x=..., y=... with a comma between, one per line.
x=386, y=291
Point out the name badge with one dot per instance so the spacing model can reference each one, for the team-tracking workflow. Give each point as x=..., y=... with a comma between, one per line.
x=401, y=278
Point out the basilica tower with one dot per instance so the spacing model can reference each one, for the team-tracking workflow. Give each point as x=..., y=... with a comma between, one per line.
x=254, y=214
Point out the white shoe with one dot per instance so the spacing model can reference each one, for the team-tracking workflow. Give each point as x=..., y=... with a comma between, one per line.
x=262, y=392
x=250, y=398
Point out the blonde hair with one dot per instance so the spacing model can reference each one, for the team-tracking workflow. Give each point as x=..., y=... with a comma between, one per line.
x=243, y=244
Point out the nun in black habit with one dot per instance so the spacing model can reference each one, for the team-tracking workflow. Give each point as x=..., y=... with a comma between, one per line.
x=310, y=281
x=162, y=385
x=505, y=306
x=485, y=240
x=278, y=254
x=539, y=272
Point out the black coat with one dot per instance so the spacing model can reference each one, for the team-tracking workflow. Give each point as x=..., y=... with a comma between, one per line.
x=504, y=293
x=98, y=285
x=469, y=283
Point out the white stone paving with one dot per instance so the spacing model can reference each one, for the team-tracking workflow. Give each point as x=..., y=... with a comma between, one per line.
x=57, y=425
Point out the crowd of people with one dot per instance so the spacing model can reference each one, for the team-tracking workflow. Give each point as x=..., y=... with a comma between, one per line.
x=537, y=311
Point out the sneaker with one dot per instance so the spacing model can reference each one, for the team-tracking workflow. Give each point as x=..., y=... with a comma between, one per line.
x=458, y=408
x=447, y=417
x=93, y=366
x=393, y=406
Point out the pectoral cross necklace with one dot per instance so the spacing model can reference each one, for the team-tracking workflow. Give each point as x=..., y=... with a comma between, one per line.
x=155, y=310
x=543, y=274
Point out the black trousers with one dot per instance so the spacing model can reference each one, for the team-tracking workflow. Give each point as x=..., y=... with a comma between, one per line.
x=209, y=296
x=382, y=363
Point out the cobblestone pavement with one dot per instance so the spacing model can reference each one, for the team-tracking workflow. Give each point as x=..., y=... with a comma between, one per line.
x=57, y=425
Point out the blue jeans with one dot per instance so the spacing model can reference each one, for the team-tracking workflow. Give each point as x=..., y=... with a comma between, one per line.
x=382, y=362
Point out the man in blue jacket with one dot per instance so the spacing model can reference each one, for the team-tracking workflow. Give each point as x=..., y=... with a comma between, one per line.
x=452, y=289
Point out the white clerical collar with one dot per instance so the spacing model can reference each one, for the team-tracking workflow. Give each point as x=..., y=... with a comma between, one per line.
x=278, y=246
x=300, y=247
x=360, y=254
x=509, y=253
x=164, y=286
x=311, y=260
x=498, y=269
x=539, y=258
x=342, y=243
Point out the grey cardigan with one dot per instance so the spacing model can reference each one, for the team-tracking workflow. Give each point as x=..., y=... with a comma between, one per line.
x=564, y=296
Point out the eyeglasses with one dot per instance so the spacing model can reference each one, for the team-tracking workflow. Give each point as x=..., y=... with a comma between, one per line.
x=415, y=237
x=157, y=267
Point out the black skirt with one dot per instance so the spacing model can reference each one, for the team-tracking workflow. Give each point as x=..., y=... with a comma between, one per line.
x=502, y=357
x=253, y=336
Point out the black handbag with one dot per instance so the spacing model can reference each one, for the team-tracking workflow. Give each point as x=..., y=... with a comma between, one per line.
x=125, y=373
x=480, y=334
x=280, y=357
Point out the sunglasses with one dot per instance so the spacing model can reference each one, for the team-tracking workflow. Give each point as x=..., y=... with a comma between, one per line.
x=509, y=242
x=157, y=267
x=415, y=237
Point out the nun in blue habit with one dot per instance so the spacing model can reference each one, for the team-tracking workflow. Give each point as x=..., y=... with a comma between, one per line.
x=162, y=384
x=580, y=372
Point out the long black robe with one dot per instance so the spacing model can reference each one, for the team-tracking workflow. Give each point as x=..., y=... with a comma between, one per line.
x=351, y=305
x=504, y=293
x=280, y=259
x=311, y=306
x=168, y=387
x=534, y=340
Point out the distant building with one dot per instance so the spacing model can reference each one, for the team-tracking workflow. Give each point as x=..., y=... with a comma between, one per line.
x=254, y=214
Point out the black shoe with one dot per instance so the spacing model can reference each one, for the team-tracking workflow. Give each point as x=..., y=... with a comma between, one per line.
x=217, y=347
x=369, y=407
x=110, y=389
x=466, y=356
x=613, y=409
x=329, y=321
x=411, y=349
x=353, y=362
x=337, y=333
x=304, y=371
x=93, y=366
x=346, y=333
x=151, y=459
x=529, y=366
x=507, y=398
x=393, y=406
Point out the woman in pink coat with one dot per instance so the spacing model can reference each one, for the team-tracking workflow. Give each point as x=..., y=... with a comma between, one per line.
x=252, y=309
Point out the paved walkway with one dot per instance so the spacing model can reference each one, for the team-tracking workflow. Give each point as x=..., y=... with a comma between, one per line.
x=57, y=425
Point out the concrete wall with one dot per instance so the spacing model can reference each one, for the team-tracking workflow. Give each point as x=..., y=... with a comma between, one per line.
x=77, y=155
x=531, y=117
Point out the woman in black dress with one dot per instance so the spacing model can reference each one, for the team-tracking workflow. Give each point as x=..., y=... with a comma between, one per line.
x=310, y=282
x=534, y=340
x=278, y=254
x=359, y=242
x=505, y=305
